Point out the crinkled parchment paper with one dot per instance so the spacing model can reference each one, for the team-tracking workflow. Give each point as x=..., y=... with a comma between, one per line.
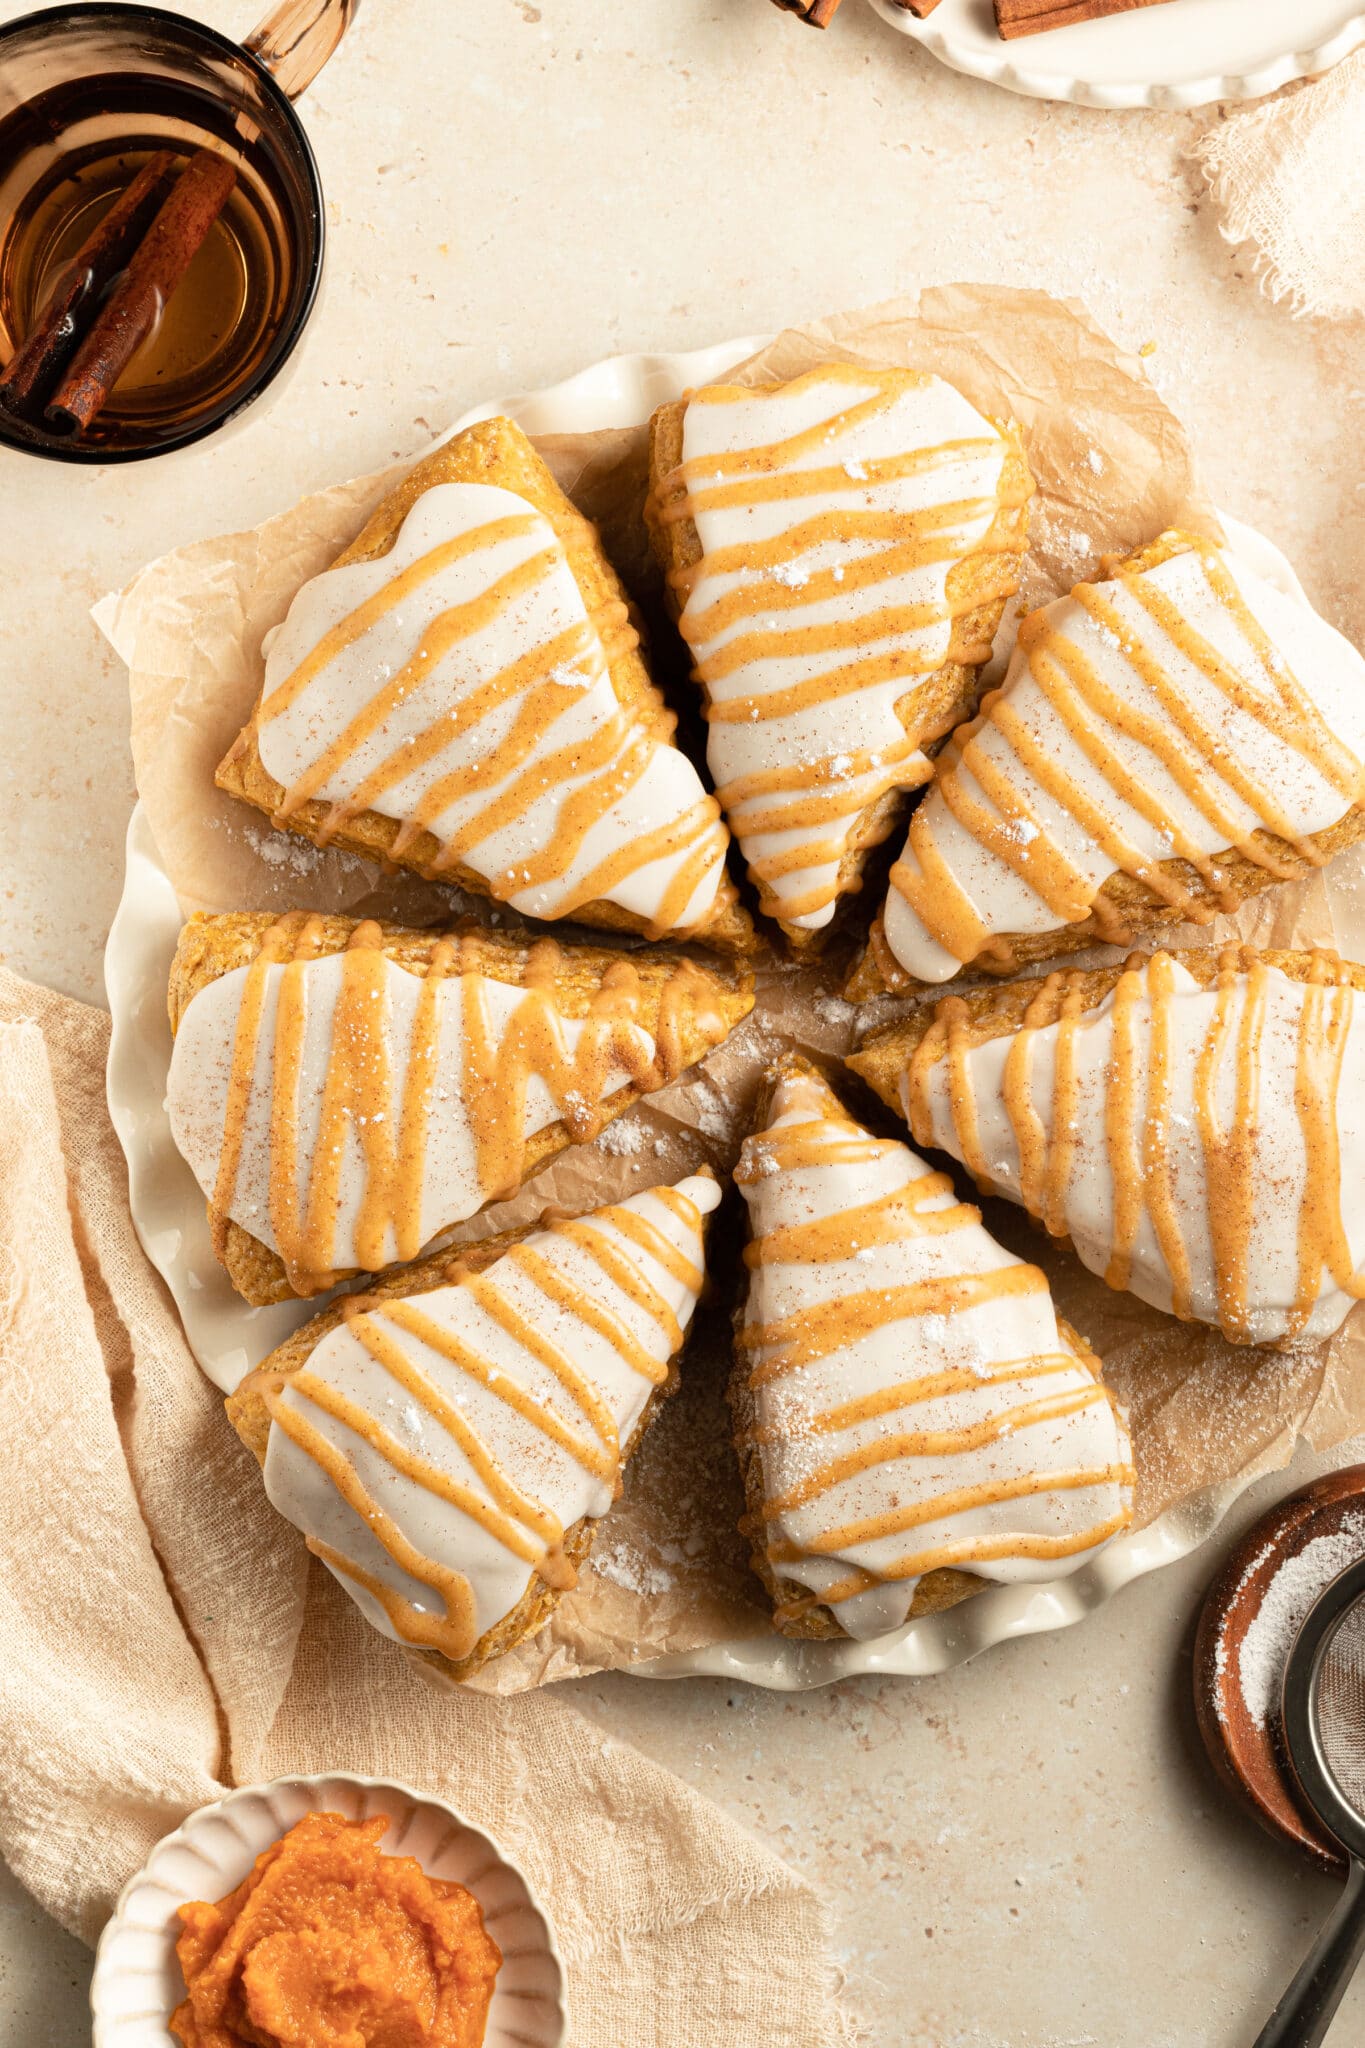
x=1113, y=467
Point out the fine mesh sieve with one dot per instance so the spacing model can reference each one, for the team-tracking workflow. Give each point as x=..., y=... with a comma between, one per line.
x=1324, y=1732
x=1339, y=1705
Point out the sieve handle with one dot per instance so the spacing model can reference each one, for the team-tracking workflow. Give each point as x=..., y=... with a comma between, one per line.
x=1304, y=2014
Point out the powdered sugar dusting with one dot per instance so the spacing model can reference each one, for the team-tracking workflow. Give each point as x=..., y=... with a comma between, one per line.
x=625, y=1566
x=833, y=1010
x=1288, y=1598
x=622, y=1138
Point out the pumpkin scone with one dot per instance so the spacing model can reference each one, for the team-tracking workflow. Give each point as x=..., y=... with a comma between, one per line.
x=913, y=1420
x=1194, y=1124
x=463, y=693
x=346, y=1091
x=838, y=551
x=447, y=1442
x=1167, y=742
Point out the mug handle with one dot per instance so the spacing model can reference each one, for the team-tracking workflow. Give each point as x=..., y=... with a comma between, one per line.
x=296, y=39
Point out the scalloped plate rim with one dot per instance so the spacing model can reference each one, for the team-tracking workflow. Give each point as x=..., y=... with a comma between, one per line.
x=974, y=60
x=166, y=1203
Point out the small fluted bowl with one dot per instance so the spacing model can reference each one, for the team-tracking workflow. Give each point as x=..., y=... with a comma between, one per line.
x=137, y=1981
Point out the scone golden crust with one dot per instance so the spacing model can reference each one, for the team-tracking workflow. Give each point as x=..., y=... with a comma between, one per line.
x=978, y=585
x=794, y=1614
x=1188, y=1123
x=945, y=1354
x=988, y=1012
x=687, y=1006
x=250, y=1411
x=250, y=1418
x=493, y=452
x=1127, y=909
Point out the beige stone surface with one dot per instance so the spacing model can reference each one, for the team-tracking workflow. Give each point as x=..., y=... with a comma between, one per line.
x=514, y=191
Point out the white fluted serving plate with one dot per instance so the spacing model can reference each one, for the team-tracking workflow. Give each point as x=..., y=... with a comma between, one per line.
x=1185, y=53
x=137, y=1981
x=229, y=1338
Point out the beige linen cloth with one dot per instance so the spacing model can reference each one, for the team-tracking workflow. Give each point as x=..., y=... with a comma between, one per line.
x=1289, y=179
x=159, y=1643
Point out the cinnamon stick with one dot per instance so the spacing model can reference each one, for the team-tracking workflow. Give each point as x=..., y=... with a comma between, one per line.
x=35, y=366
x=1033, y=17
x=815, y=13
x=820, y=13
x=133, y=308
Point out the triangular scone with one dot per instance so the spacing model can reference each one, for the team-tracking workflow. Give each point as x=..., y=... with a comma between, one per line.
x=1193, y=1122
x=463, y=692
x=1167, y=742
x=447, y=1442
x=345, y=1091
x=912, y=1417
x=839, y=551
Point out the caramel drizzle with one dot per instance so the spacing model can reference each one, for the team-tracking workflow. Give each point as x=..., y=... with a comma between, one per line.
x=818, y=797
x=973, y=1552
x=544, y=682
x=504, y=1510
x=823, y=1328
x=360, y=1094
x=1140, y=1142
x=1193, y=751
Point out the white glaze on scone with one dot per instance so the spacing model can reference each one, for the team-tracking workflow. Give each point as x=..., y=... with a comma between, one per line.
x=459, y=685
x=345, y=1109
x=1171, y=713
x=914, y=1403
x=831, y=512
x=1204, y=1148
x=435, y=1449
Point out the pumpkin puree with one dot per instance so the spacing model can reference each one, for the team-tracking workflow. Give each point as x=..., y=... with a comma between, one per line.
x=329, y=1944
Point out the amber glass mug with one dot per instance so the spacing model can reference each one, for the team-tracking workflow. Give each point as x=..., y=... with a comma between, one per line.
x=89, y=93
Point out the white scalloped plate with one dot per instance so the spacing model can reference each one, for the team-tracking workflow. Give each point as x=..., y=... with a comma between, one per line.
x=1185, y=53
x=228, y=1338
x=137, y=1981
